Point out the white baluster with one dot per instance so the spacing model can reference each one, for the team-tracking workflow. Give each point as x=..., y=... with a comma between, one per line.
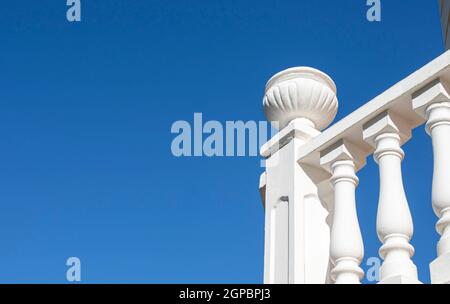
x=394, y=222
x=433, y=103
x=439, y=129
x=346, y=247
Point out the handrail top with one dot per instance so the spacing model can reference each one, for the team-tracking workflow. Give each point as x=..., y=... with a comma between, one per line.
x=397, y=99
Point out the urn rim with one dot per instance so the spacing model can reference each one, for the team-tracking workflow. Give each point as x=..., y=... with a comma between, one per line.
x=301, y=72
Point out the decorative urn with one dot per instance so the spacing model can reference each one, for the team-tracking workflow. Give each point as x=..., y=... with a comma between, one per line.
x=301, y=93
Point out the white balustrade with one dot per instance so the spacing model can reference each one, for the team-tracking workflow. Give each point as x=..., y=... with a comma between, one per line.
x=433, y=103
x=346, y=247
x=394, y=221
x=311, y=176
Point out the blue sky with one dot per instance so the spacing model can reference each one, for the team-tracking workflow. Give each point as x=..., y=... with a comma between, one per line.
x=86, y=168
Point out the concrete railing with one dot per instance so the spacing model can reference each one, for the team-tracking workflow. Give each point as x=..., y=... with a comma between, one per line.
x=312, y=232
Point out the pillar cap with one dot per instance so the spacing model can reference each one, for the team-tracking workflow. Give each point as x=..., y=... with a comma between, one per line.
x=300, y=92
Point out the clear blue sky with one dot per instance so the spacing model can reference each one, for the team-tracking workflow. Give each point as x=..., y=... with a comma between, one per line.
x=86, y=109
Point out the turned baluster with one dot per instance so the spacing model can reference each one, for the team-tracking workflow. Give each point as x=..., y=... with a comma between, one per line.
x=394, y=222
x=346, y=245
x=433, y=103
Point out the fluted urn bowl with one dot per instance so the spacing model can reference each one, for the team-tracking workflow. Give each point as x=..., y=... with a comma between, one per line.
x=300, y=92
